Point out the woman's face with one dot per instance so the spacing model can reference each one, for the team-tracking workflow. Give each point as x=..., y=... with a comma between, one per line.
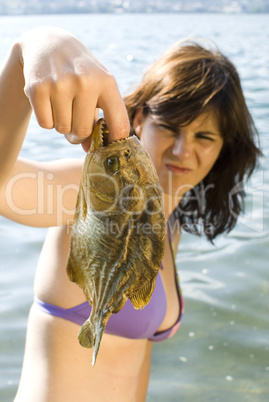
x=182, y=157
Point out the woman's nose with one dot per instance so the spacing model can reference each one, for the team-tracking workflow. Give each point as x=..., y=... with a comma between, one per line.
x=182, y=148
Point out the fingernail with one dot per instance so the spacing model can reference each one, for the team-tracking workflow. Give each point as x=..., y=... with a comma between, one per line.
x=74, y=139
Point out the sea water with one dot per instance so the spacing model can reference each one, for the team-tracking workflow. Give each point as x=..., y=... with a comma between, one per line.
x=221, y=351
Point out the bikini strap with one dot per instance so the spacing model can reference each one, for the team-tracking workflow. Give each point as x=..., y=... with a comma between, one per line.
x=170, y=237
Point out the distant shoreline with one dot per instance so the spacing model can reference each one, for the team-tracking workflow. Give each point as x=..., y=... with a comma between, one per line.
x=77, y=12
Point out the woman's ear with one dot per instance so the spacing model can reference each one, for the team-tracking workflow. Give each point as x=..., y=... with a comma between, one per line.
x=138, y=121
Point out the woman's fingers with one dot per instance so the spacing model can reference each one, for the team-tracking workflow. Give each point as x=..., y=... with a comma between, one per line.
x=111, y=102
x=39, y=97
x=62, y=114
x=83, y=114
x=74, y=111
x=71, y=110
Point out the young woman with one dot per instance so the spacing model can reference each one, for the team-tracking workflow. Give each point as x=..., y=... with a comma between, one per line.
x=190, y=114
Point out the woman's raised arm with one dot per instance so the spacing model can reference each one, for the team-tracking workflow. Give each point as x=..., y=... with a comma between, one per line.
x=15, y=112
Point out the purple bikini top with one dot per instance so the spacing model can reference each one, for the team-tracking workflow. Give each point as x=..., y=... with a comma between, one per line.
x=128, y=322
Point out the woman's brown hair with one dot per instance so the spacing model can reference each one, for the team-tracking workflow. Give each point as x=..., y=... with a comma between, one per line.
x=190, y=79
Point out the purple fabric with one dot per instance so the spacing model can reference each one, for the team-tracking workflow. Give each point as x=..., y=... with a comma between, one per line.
x=128, y=322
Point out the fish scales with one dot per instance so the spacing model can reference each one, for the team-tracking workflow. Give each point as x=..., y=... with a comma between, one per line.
x=117, y=240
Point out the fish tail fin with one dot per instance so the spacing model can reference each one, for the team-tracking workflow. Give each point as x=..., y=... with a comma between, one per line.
x=96, y=346
x=90, y=336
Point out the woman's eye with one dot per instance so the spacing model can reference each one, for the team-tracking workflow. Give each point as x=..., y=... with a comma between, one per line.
x=164, y=126
x=169, y=129
x=113, y=164
x=204, y=137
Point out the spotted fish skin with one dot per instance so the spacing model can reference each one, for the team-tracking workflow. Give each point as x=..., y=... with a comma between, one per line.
x=117, y=240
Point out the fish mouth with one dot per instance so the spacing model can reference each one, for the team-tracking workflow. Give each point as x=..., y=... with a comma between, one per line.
x=104, y=133
x=100, y=136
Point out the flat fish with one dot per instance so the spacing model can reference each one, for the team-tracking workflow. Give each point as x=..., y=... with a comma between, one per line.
x=117, y=240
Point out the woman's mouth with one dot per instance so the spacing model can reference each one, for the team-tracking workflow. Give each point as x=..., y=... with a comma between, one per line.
x=179, y=170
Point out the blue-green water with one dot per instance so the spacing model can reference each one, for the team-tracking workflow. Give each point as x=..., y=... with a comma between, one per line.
x=221, y=352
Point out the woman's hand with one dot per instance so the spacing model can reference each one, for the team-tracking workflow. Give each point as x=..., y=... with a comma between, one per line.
x=65, y=84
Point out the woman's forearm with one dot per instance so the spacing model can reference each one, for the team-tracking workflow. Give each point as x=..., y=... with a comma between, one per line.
x=15, y=112
x=41, y=194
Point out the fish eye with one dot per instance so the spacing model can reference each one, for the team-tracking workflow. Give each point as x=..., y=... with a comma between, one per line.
x=113, y=164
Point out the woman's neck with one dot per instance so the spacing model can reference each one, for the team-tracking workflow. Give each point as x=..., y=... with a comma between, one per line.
x=170, y=204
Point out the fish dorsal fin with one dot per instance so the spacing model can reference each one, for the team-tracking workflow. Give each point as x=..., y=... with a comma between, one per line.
x=141, y=297
x=97, y=135
x=81, y=207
